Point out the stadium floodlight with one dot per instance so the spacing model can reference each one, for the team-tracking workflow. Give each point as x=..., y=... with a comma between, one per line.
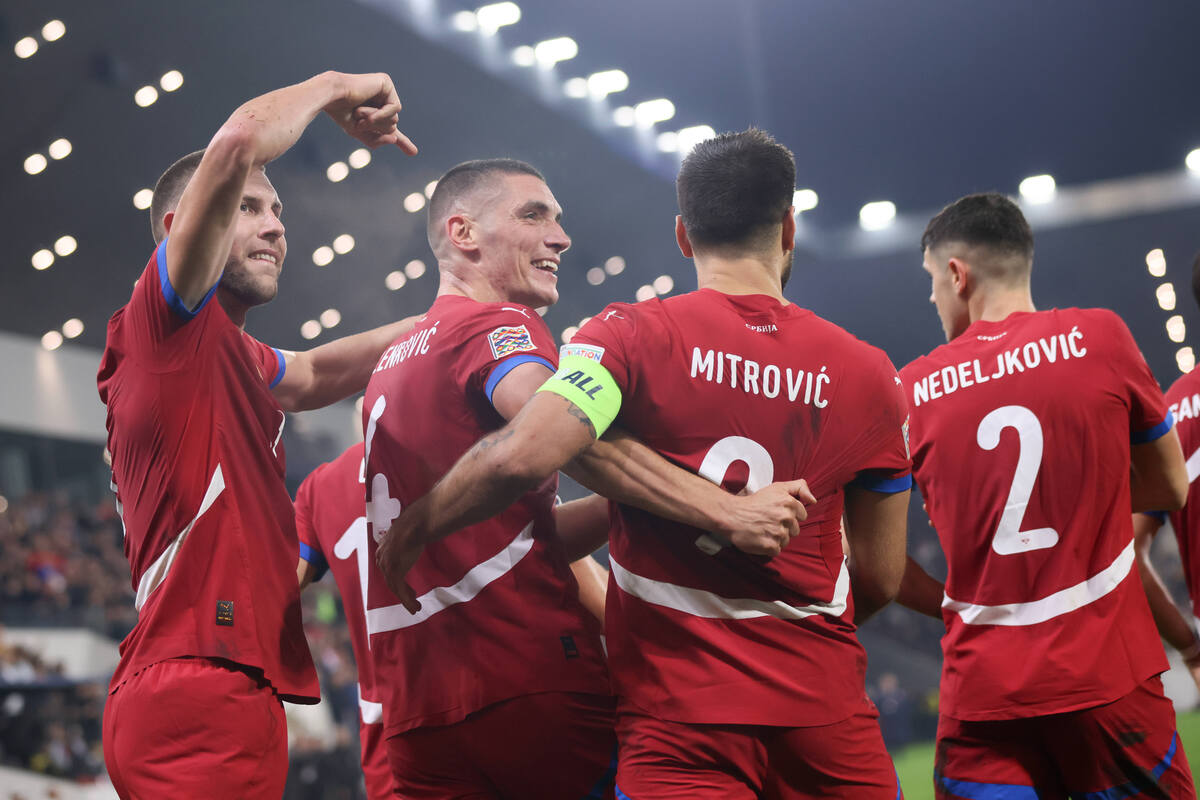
x=1176, y=330
x=596, y=275
x=35, y=163
x=524, y=56
x=42, y=259
x=52, y=340
x=343, y=244
x=145, y=96
x=330, y=318
x=576, y=88
x=65, y=245
x=465, y=21
x=653, y=111
x=609, y=81
x=690, y=137
x=668, y=142
x=644, y=293
x=53, y=30
x=310, y=329
x=569, y=333
x=495, y=16
x=1185, y=357
x=395, y=280
x=804, y=200
x=414, y=269
x=1156, y=262
x=552, y=51
x=24, y=48
x=1193, y=160
x=1166, y=296
x=414, y=202
x=72, y=328
x=430, y=188
x=663, y=284
x=877, y=215
x=1038, y=188
x=142, y=199
x=59, y=149
x=322, y=256
x=170, y=81
x=624, y=117
x=614, y=265
x=337, y=171
x=360, y=158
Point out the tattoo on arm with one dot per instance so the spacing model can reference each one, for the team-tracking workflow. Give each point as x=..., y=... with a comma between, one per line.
x=496, y=438
x=576, y=412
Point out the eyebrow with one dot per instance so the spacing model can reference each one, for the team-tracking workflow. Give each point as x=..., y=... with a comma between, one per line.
x=257, y=200
x=540, y=207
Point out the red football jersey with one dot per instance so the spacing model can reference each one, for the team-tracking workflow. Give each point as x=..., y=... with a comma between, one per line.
x=500, y=613
x=331, y=523
x=1020, y=435
x=744, y=391
x=1184, y=400
x=198, y=469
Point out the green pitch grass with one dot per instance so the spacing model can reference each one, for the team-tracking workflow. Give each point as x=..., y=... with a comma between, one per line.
x=914, y=763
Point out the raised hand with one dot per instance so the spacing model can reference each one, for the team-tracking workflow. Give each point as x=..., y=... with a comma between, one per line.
x=368, y=110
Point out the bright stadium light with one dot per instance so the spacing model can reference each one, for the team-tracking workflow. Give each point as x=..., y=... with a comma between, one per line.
x=1185, y=357
x=1156, y=262
x=1193, y=160
x=524, y=56
x=35, y=163
x=395, y=280
x=667, y=142
x=595, y=276
x=804, y=200
x=322, y=255
x=1166, y=296
x=343, y=244
x=142, y=199
x=65, y=245
x=337, y=171
x=569, y=333
x=59, y=149
x=42, y=259
x=495, y=16
x=552, y=51
x=465, y=21
x=430, y=188
x=663, y=284
x=877, y=215
x=310, y=329
x=1038, y=188
x=653, y=111
x=614, y=265
x=414, y=202
x=52, y=340
x=576, y=88
x=24, y=48
x=414, y=269
x=330, y=318
x=360, y=158
x=610, y=81
x=53, y=30
x=170, y=81
x=145, y=96
x=72, y=328
x=690, y=137
x=1176, y=330
x=625, y=117
x=644, y=292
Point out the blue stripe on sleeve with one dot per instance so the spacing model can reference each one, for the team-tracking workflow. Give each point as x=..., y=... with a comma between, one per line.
x=883, y=485
x=505, y=367
x=314, y=557
x=1161, y=516
x=282, y=368
x=1157, y=432
x=1135, y=789
x=173, y=300
x=987, y=791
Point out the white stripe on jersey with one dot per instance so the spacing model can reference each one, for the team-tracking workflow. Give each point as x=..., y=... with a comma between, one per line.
x=700, y=603
x=372, y=713
x=1193, y=466
x=439, y=598
x=153, y=577
x=1034, y=612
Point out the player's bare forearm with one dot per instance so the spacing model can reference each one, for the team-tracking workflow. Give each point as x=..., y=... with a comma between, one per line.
x=593, y=585
x=582, y=525
x=331, y=372
x=305, y=573
x=876, y=528
x=1171, y=623
x=1158, y=478
x=920, y=591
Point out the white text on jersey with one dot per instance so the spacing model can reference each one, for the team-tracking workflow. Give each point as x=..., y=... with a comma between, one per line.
x=417, y=344
x=1031, y=355
x=711, y=365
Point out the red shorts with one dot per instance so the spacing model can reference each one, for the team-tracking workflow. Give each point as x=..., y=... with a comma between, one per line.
x=375, y=767
x=663, y=760
x=547, y=746
x=195, y=728
x=1126, y=748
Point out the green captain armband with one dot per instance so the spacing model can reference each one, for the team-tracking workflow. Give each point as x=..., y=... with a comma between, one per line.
x=585, y=382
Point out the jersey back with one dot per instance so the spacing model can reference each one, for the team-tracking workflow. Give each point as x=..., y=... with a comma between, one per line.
x=198, y=468
x=743, y=391
x=501, y=616
x=1184, y=400
x=1021, y=433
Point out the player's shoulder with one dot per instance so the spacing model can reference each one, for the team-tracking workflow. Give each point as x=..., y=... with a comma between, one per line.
x=840, y=342
x=1184, y=386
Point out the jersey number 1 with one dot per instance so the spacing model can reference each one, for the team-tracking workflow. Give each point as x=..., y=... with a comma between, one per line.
x=1009, y=537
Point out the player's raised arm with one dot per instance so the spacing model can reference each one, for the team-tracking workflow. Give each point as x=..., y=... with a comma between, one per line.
x=334, y=371
x=202, y=225
x=876, y=527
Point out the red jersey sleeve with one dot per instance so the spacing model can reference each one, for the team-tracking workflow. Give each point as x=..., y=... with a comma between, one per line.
x=310, y=543
x=159, y=321
x=887, y=466
x=606, y=338
x=271, y=363
x=508, y=337
x=1149, y=417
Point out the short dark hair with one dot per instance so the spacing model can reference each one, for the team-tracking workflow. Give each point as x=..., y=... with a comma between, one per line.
x=735, y=187
x=169, y=189
x=988, y=219
x=465, y=178
x=1196, y=278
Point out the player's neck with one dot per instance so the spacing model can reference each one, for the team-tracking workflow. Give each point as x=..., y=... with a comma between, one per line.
x=996, y=305
x=233, y=309
x=477, y=290
x=738, y=276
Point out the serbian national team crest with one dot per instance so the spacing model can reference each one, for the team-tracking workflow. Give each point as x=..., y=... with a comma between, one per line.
x=508, y=340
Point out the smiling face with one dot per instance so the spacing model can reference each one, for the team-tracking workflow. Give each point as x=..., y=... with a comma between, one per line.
x=255, y=260
x=520, y=239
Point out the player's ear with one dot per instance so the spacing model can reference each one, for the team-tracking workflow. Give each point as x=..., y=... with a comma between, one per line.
x=959, y=275
x=168, y=218
x=789, y=230
x=460, y=232
x=681, y=237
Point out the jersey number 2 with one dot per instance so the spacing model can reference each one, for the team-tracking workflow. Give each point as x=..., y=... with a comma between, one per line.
x=1009, y=538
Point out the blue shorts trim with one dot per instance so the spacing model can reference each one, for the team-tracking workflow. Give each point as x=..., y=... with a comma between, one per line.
x=1131, y=789
x=600, y=790
x=282, y=368
x=969, y=790
x=505, y=367
x=619, y=794
x=172, y=299
x=316, y=558
x=875, y=483
x=1157, y=432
